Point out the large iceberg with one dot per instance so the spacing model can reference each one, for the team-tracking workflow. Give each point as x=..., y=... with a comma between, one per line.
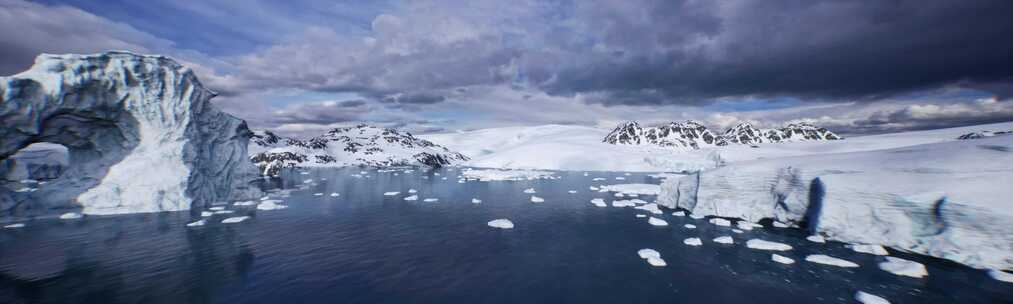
x=947, y=199
x=140, y=132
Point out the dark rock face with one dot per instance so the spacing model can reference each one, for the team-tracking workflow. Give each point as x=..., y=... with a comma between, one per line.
x=361, y=145
x=690, y=134
x=983, y=134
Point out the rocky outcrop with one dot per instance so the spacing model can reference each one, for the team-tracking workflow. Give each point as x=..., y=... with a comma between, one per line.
x=983, y=134
x=360, y=145
x=140, y=132
x=693, y=135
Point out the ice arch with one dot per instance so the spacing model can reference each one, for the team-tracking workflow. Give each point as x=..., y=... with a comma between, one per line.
x=140, y=132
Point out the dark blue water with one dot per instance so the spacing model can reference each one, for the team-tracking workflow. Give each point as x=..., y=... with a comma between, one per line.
x=363, y=247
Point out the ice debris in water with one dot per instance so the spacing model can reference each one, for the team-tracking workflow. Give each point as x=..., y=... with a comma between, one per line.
x=1000, y=275
x=816, y=239
x=657, y=221
x=689, y=226
x=206, y=213
x=70, y=216
x=318, y=194
x=744, y=225
x=529, y=190
x=412, y=191
x=598, y=202
x=679, y=213
x=641, y=215
x=535, y=199
x=829, y=260
x=903, y=267
x=593, y=188
x=476, y=201
x=781, y=259
x=18, y=225
x=692, y=242
x=197, y=223
x=870, y=249
x=501, y=224
x=767, y=245
x=652, y=256
x=431, y=200
x=335, y=194
x=572, y=191
x=652, y=208
x=218, y=208
x=223, y=212
x=724, y=240
x=720, y=222
x=412, y=198
x=271, y=205
x=623, y=203
x=391, y=193
x=867, y=298
x=244, y=203
x=233, y=220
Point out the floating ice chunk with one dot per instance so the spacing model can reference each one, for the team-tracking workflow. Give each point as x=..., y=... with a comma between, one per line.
x=598, y=179
x=724, y=240
x=816, y=239
x=412, y=191
x=244, y=203
x=780, y=224
x=696, y=216
x=265, y=198
x=679, y=213
x=652, y=208
x=335, y=194
x=476, y=201
x=197, y=223
x=647, y=253
x=689, y=226
x=12, y=226
x=767, y=245
x=870, y=249
x=206, y=213
x=903, y=267
x=720, y=222
x=781, y=259
x=431, y=200
x=501, y=224
x=623, y=203
x=1000, y=275
x=693, y=241
x=307, y=181
x=233, y=220
x=572, y=191
x=829, y=260
x=218, y=208
x=744, y=225
x=535, y=199
x=529, y=190
x=26, y=189
x=271, y=205
x=736, y=231
x=318, y=194
x=444, y=178
x=656, y=262
x=70, y=216
x=618, y=194
x=391, y=193
x=224, y=212
x=304, y=173
x=598, y=202
x=641, y=215
x=657, y=221
x=460, y=181
x=620, y=178
x=867, y=298
x=412, y=198
x=593, y=188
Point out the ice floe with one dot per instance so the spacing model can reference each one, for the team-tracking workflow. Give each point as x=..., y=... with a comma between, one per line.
x=271, y=205
x=904, y=267
x=391, y=193
x=1000, y=275
x=689, y=226
x=693, y=241
x=335, y=194
x=476, y=201
x=870, y=249
x=767, y=245
x=816, y=239
x=217, y=208
x=12, y=226
x=413, y=191
x=431, y=200
x=318, y=194
x=224, y=212
x=530, y=190
x=598, y=202
x=535, y=199
x=501, y=224
x=744, y=225
x=572, y=191
x=679, y=213
x=623, y=203
x=652, y=256
x=206, y=213
x=641, y=215
x=780, y=225
x=829, y=260
x=593, y=188
x=412, y=198
x=868, y=298
x=233, y=220
x=781, y=259
x=638, y=189
x=657, y=221
x=486, y=175
x=197, y=223
x=724, y=240
x=720, y=222
x=652, y=208
x=244, y=203
x=598, y=179
x=70, y=216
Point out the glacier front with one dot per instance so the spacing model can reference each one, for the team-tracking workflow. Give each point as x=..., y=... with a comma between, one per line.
x=140, y=132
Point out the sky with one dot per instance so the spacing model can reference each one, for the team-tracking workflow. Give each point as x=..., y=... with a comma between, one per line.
x=303, y=67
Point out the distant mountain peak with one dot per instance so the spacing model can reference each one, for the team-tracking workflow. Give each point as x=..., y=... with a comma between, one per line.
x=693, y=135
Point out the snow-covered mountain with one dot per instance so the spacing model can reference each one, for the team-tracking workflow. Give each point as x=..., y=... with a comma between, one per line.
x=983, y=134
x=361, y=145
x=693, y=135
x=688, y=134
x=140, y=132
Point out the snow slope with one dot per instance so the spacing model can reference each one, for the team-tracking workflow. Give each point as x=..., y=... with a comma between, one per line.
x=933, y=194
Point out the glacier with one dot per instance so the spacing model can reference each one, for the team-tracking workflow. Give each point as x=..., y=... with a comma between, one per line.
x=938, y=196
x=140, y=131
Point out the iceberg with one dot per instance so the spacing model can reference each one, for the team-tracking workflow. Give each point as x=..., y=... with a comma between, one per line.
x=656, y=221
x=829, y=260
x=692, y=242
x=647, y=253
x=724, y=240
x=122, y=116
